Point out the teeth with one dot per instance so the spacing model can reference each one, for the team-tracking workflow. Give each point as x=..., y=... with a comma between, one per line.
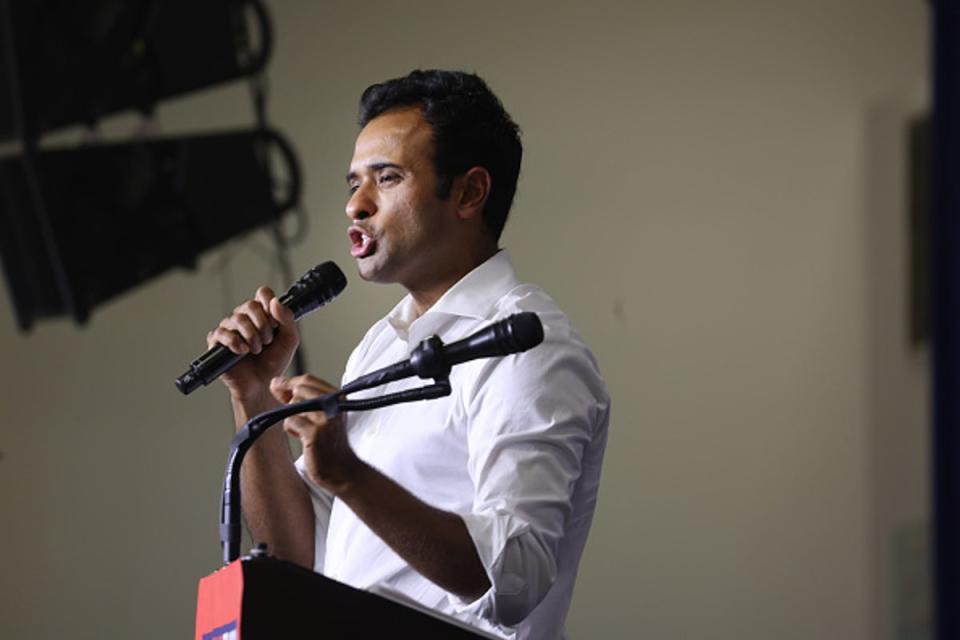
x=364, y=237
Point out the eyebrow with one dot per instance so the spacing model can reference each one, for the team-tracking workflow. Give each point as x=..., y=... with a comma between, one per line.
x=376, y=166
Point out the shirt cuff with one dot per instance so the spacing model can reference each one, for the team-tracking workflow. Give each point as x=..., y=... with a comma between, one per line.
x=518, y=567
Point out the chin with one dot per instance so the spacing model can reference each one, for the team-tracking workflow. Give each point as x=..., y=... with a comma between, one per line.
x=366, y=274
x=371, y=272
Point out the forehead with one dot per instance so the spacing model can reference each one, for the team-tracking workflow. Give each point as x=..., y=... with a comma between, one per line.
x=401, y=136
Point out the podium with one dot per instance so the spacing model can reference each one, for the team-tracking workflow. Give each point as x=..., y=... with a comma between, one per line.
x=256, y=598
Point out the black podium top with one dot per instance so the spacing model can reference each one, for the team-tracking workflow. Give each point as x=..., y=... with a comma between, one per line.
x=283, y=600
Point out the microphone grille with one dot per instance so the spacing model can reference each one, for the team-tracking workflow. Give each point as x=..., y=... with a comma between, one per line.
x=315, y=288
x=524, y=331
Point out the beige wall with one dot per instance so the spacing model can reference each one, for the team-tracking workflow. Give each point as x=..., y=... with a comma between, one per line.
x=714, y=191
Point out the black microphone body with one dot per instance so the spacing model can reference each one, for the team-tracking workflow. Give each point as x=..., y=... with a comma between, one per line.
x=314, y=289
x=513, y=334
x=434, y=359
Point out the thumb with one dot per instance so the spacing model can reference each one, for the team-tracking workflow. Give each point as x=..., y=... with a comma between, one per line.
x=282, y=313
x=280, y=388
x=287, y=330
x=291, y=429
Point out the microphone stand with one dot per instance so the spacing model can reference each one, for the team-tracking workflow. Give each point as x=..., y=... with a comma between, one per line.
x=332, y=404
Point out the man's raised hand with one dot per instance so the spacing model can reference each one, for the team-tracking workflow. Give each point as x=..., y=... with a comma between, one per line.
x=265, y=329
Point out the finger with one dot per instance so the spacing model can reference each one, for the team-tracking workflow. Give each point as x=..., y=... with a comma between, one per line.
x=302, y=393
x=280, y=388
x=301, y=427
x=299, y=393
x=242, y=324
x=292, y=429
x=287, y=333
x=258, y=315
x=264, y=295
x=229, y=338
x=286, y=390
x=309, y=381
x=281, y=313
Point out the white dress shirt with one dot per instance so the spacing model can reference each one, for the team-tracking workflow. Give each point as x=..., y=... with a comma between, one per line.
x=515, y=450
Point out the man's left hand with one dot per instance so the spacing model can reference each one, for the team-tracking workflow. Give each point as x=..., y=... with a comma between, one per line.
x=330, y=462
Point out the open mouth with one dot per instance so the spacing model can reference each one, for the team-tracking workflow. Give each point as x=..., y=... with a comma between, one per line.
x=363, y=244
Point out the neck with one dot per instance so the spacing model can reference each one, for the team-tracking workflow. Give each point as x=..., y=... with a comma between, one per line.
x=426, y=297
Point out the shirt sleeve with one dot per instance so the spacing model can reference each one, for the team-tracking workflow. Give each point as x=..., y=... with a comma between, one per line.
x=531, y=417
x=322, y=505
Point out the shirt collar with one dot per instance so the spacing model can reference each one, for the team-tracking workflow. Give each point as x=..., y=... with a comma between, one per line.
x=471, y=297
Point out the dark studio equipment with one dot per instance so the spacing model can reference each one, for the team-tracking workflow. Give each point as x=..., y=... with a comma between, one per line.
x=73, y=62
x=316, y=288
x=81, y=225
x=113, y=216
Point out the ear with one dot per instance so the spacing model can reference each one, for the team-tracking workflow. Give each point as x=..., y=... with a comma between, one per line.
x=473, y=191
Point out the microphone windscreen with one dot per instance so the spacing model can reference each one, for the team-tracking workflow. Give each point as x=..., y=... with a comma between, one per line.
x=524, y=331
x=314, y=289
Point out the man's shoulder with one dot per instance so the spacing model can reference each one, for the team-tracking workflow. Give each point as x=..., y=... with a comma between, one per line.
x=560, y=376
x=528, y=297
x=563, y=347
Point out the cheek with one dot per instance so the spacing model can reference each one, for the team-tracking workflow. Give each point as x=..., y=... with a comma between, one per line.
x=408, y=222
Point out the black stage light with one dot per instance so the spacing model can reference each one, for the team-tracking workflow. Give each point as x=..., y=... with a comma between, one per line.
x=65, y=62
x=80, y=226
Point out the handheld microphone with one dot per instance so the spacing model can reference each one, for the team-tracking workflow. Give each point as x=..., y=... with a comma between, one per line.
x=314, y=289
x=434, y=359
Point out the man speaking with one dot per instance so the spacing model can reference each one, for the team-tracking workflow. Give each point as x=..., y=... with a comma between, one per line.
x=477, y=504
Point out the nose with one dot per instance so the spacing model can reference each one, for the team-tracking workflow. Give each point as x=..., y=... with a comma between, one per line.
x=360, y=205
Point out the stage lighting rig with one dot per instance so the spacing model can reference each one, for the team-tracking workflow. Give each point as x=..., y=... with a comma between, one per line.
x=81, y=225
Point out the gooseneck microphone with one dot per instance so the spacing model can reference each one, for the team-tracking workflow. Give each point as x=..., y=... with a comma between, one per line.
x=434, y=359
x=314, y=289
x=513, y=334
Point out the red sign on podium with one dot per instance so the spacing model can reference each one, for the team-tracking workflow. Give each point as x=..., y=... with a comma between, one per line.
x=220, y=603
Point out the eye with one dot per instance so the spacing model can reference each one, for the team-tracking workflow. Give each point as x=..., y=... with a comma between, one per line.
x=388, y=178
x=353, y=187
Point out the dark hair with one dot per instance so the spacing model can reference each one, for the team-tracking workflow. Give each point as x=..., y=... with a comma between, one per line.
x=470, y=129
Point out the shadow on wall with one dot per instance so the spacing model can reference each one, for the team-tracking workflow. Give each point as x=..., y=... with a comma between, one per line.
x=898, y=378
